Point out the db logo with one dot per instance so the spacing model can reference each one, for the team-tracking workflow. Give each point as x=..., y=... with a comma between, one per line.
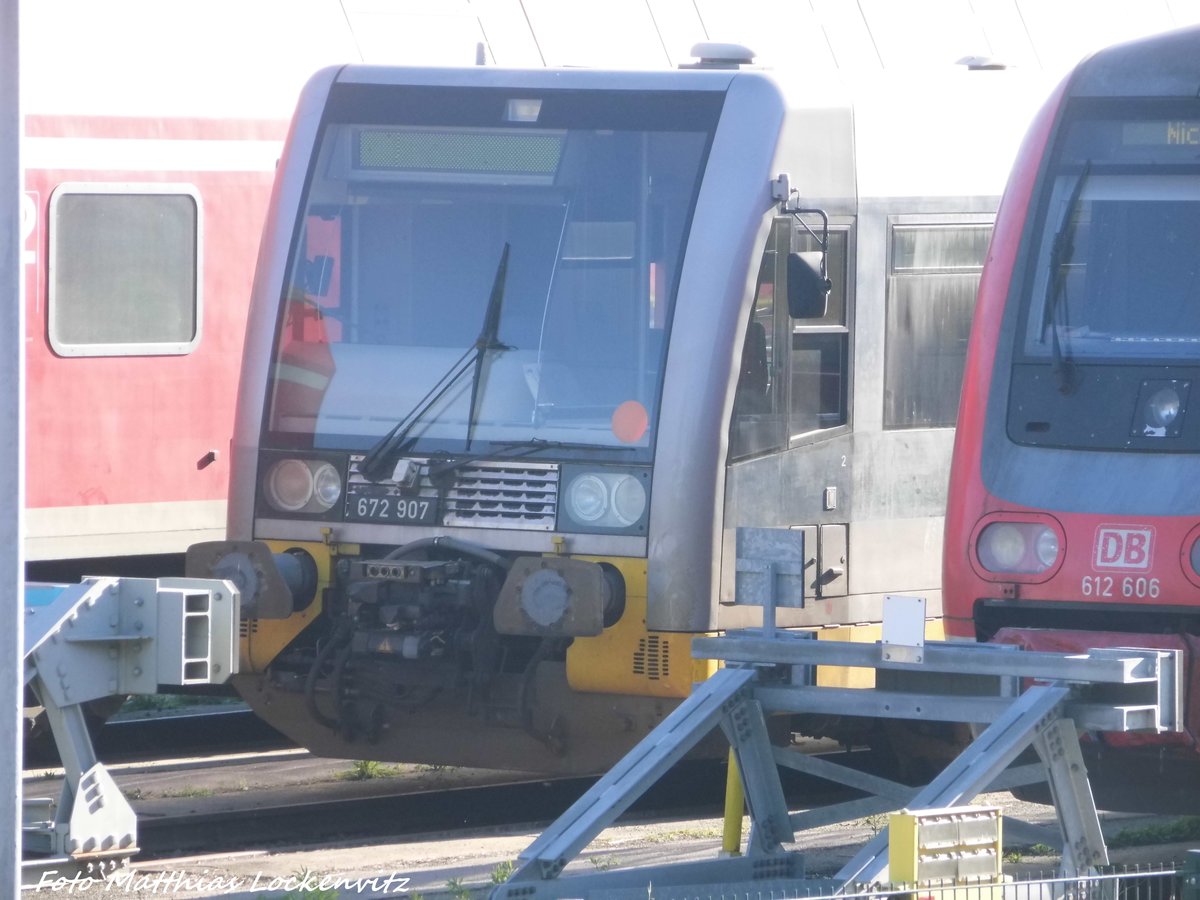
x=1123, y=549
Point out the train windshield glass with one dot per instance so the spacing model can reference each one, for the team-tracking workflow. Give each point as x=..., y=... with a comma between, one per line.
x=1117, y=273
x=490, y=266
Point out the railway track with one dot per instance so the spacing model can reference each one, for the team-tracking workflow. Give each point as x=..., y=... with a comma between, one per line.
x=438, y=827
x=212, y=781
x=194, y=731
x=398, y=809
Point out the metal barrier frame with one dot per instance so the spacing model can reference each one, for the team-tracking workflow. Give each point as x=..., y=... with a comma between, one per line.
x=109, y=637
x=769, y=671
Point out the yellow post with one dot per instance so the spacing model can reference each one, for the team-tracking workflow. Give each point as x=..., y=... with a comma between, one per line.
x=735, y=804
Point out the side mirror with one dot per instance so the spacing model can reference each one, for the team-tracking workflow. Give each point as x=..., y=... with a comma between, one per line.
x=807, y=286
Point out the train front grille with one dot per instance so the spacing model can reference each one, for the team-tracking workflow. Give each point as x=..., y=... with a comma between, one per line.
x=503, y=495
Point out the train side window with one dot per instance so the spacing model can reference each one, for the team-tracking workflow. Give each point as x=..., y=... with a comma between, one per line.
x=124, y=269
x=933, y=274
x=819, y=362
x=757, y=425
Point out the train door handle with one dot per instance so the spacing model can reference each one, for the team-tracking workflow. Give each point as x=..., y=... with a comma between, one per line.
x=833, y=573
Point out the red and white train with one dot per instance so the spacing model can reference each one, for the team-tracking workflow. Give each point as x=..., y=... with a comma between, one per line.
x=152, y=131
x=1073, y=517
x=147, y=171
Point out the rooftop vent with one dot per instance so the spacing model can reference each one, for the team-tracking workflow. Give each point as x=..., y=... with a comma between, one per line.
x=713, y=55
x=982, y=63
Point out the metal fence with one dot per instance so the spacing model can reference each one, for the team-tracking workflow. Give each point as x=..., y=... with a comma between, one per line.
x=1169, y=881
x=1160, y=882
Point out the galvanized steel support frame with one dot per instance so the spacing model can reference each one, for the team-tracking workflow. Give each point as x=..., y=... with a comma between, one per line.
x=109, y=637
x=773, y=675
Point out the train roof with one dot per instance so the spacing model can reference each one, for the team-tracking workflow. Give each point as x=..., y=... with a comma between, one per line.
x=1164, y=65
x=545, y=78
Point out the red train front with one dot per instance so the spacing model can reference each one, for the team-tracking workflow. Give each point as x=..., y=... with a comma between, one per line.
x=1074, y=500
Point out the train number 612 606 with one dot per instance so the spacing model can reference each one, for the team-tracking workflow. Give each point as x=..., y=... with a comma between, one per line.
x=1108, y=586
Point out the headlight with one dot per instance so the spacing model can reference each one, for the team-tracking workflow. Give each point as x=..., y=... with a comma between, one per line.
x=587, y=498
x=1046, y=547
x=605, y=500
x=628, y=499
x=1163, y=407
x=289, y=485
x=1001, y=547
x=1189, y=556
x=1160, y=408
x=327, y=486
x=302, y=486
x=1027, y=548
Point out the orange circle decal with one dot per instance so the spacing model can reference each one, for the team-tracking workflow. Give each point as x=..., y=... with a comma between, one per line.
x=630, y=421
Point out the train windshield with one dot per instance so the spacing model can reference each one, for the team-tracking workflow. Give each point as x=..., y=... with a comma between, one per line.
x=1117, y=273
x=483, y=268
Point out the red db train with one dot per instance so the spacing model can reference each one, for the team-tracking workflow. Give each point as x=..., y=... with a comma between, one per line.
x=151, y=136
x=1073, y=515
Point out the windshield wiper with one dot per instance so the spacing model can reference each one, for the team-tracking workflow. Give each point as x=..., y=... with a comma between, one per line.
x=488, y=340
x=1060, y=254
x=376, y=465
x=504, y=450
